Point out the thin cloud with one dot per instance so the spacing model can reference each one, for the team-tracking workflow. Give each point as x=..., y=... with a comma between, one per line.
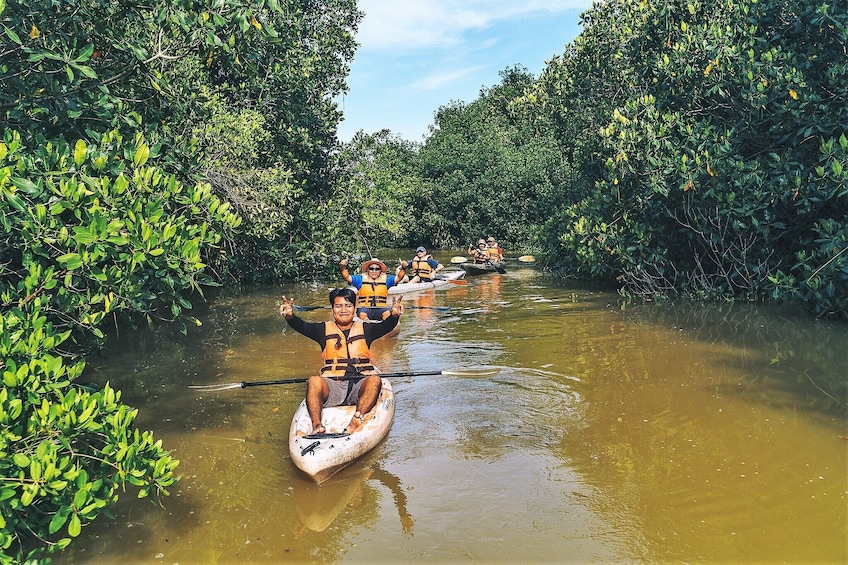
x=440, y=80
x=425, y=24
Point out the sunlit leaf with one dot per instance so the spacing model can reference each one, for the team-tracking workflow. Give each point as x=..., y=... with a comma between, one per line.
x=80, y=150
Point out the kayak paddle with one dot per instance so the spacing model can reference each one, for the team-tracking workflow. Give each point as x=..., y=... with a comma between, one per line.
x=481, y=372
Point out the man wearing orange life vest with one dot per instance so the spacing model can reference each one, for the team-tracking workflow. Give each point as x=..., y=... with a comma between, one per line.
x=422, y=267
x=345, y=349
x=373, y=288
x=495, y=251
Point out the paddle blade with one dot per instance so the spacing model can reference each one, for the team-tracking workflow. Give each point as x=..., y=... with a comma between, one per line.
x=527, y=259
x=456, y=260
x=481, y=372
x=216, y=388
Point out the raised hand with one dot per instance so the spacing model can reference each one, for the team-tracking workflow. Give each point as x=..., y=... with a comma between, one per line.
x=397, y=305
x=287, y=307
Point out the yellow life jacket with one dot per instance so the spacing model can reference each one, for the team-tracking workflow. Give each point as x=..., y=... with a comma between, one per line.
x=421, y=268
x=373, y=293
x=340, y=352
x=481, y=256
x=494, y=254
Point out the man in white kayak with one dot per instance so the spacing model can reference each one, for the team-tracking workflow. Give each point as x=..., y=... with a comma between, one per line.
x=422, y=267
x=345, y=349
x=372, y=286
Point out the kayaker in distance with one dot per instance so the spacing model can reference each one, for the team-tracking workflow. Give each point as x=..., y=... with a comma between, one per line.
x=422, y=267
x=481, y=254
x=345, y=349
x=495, y=251
x=373, y=288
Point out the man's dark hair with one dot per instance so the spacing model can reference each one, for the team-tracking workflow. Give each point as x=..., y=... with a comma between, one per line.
x=347, y=293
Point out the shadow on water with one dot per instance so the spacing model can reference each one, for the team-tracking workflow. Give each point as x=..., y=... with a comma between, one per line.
x=804, y=358
x=661, y=433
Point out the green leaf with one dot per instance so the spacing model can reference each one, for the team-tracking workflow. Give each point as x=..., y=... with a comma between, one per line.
x=58, y=520
x=15, y=201
x=141, y=155
x=85, y=53
x=79, y=152
x=12, y=35
x=71, y=260
x=86, y=70
x=83, y=236
x=74, y=526
x=26, y=185
x=21, y=460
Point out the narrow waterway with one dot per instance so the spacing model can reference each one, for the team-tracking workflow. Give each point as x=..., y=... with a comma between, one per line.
x=658, y=433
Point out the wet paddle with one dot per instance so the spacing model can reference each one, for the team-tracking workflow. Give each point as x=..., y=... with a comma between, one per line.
x=480, y=372
x=458, y=259
x=498, y=268
x=460, y=282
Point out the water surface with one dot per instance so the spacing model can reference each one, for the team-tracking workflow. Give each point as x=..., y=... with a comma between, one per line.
x=660, y=433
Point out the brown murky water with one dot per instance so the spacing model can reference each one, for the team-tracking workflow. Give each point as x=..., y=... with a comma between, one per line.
x=656, y=433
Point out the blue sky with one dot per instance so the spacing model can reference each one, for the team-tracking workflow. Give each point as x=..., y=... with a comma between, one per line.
x=417, y=55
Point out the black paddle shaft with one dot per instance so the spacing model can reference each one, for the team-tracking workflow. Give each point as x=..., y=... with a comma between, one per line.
x=245, y=384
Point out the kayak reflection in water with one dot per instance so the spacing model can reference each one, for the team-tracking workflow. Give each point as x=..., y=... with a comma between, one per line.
x=345, y=349
x=319, y=505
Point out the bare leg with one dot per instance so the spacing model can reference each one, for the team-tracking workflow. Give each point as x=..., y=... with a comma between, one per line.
x=367, y=400
x=316, y=395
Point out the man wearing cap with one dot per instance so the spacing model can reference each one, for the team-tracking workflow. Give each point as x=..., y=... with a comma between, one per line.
x=422, y=267
x=373, y=286
x=345, y=349
x=495, y=251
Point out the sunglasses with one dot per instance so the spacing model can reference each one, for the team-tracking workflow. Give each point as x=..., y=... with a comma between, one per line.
x=374, y=269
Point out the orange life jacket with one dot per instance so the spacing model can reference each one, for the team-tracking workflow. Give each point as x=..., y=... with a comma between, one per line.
x=340, y=352
x=373, y=292
x=481, y=256
x=421, y=268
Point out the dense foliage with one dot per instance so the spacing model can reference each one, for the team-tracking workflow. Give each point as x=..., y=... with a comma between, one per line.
x=722, y=127
x=88, y=233
x=135, y=139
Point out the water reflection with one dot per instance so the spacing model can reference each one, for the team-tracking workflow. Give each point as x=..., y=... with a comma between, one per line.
x=319, y=505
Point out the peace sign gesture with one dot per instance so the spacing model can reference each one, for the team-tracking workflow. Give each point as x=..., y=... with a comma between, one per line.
x=287, y=307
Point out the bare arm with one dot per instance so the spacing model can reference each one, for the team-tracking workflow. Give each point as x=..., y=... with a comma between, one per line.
x=345, y=274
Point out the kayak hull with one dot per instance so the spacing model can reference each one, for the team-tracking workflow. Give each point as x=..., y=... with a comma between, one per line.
x=443, y=280
x=321, y=457
x=479, y=268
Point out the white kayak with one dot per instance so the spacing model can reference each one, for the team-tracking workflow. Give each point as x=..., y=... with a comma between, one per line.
x=323, y=455
x=443, y=279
